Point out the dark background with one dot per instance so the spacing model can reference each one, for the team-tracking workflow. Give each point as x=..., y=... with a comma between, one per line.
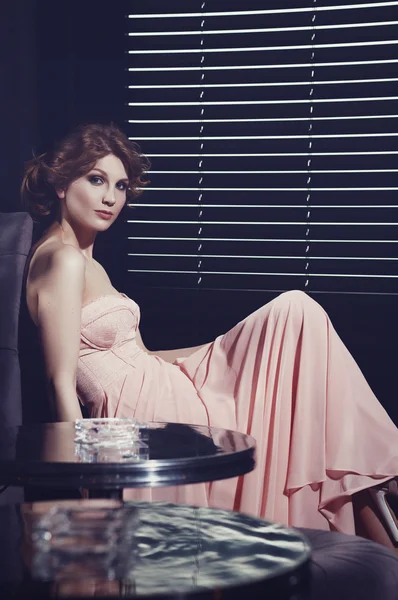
x=62, y=63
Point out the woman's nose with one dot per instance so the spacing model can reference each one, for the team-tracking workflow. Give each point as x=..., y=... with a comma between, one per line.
x=109, y=197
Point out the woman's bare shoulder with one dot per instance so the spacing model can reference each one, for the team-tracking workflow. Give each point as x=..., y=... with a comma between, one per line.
x=52, y=253
x=51, y=258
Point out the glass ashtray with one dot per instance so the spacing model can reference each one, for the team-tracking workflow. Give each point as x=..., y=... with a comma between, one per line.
x=107, y=432
x=84, y=542
x=91, y=453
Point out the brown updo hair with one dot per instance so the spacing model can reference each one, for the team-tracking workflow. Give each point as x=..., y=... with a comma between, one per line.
x=73, y=157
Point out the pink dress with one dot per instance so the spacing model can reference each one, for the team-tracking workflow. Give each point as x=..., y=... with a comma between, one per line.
x=281, y=375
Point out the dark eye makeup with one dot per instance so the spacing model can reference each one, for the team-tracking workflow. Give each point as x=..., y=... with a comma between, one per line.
x=122, y=185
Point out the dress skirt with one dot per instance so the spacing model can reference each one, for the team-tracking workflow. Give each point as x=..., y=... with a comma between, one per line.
x=283, y=376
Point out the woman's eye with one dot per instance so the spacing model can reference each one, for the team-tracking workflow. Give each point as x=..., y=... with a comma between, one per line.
x=95, y=179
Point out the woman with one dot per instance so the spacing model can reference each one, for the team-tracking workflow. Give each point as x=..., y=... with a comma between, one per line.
x=281, y=375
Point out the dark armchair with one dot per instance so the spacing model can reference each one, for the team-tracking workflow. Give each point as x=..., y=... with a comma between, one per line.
x=15, y=242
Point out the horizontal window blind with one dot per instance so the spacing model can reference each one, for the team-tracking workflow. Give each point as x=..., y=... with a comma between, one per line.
x=272, y=134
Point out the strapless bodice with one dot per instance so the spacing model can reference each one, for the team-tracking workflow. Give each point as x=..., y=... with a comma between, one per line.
x=108, y=347
x=108, y=321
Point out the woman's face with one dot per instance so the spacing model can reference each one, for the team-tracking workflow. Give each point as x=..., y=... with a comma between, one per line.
x=101, y=189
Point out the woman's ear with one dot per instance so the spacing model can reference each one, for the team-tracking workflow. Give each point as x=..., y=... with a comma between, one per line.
x=60, y=194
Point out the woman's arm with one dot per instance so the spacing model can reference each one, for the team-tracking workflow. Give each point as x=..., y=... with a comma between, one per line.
x=168, y=355
x=59, y=302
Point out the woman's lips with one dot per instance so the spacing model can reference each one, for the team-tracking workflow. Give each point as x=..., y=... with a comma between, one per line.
x=104, y=215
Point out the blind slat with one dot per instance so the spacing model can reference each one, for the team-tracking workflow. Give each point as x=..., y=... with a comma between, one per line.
x=304, y=9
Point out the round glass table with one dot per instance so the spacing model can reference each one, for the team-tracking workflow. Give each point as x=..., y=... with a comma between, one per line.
x=148, y=550
x=164, y=454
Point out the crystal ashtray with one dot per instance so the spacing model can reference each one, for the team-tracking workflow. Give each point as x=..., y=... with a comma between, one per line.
x=84, y=542
x=91, y=453
x=107, y=432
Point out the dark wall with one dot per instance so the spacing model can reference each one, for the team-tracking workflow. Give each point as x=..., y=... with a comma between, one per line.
x=64, y=66
x=18, y=96
x=60, y=65
x=80, y=70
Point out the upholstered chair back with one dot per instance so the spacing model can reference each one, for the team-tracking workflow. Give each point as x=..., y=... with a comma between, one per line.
x=15, y=242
